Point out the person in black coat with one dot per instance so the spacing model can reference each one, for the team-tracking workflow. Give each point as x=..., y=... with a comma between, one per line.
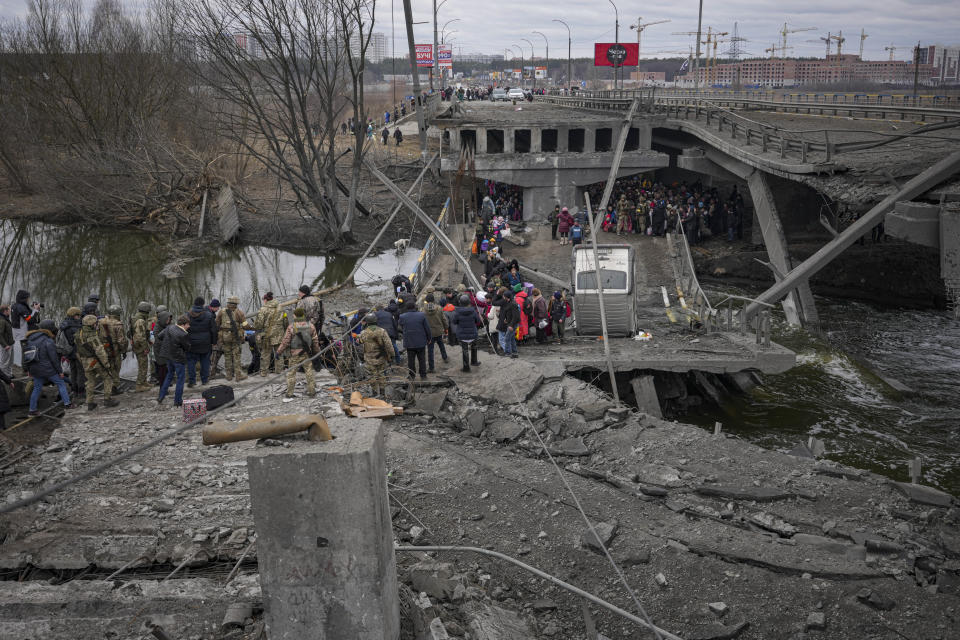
x=4, y=400
x=465, y=323
x=203, y=335
x=388, y=322
x=175, y=351
x=416, y=335
x=24, y=316
x=45, y=366
x=508, y=320
x=69, y=327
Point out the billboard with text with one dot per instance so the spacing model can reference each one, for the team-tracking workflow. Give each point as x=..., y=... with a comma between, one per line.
x=612, y=54
x=445, y=56
x=424, y=55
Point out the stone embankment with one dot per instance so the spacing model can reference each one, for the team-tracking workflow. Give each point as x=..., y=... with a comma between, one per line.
x=717, y=538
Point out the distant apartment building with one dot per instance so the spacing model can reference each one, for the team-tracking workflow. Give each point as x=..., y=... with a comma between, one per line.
x=834, y=69
x=378, y=48
x=480, y=58
x=945, y=62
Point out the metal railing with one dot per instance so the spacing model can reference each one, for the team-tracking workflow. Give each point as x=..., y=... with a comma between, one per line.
x=430, y=250
x=800, y=97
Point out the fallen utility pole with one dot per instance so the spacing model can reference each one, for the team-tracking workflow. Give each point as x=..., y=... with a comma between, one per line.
x=603, y=310
x=393, y=215
x=916, y=186
x=415, y=72
x=410, y=204
x=663, y=633
x=617, y=157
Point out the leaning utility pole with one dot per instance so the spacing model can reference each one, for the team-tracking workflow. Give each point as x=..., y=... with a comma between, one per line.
x=603, y=311
x=415, y=71
x=916, y=72
x=696, y=59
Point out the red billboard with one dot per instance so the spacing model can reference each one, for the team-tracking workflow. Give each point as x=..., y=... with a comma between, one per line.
x=612, y=54
x=424, y=55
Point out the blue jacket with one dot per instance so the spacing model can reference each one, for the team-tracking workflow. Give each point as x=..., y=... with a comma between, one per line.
x=465, y=320
x=202, y=331
x=387, y=322
x=47, y=363
x=416, y=329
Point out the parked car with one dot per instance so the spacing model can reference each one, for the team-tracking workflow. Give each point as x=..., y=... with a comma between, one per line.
x=516, y=94
x=499, y=95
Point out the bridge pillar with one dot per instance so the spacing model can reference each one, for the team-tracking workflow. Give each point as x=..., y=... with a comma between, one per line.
x=799, y=301
x=589, y=140
x=536, y=140
x=538, y=202
x=508, y=135
x=481, y=141
x=563, y=139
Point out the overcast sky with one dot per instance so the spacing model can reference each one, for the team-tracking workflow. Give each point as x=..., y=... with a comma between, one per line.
x=490, y=26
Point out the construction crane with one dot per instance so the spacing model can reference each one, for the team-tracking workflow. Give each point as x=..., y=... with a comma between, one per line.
x=839, y=39
x=696, y=35
x=863, y=36
x=891, y=49
x=712, y=62
x=787, y=30
x=772, y=50
x=639, y=27
x=828, y=40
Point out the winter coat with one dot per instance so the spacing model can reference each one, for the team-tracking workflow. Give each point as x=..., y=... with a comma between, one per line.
x=416, y=329
x=558, y=310
x=524, y=326
x=69, y=327
x=202, y=331
x=4, y=400
x=509, y=314
x=21, y=313
x=465, y=321
x=176, y=344
x=47, y=362
x=394, y=309
x=387, y=322
x=539, y=308
x=159, y=335
x=437, y=318
x=564, y=222
x=6, y=331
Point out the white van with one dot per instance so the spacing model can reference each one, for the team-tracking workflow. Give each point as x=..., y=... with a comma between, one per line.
x=619, y=289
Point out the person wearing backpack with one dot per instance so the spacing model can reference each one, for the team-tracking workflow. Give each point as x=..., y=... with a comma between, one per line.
x=140, y=338
x=526, y=313
x=377, y=352
x=230, y=336
x=576, y=233
x=269, y=327
x=42, y=362
x=67, y=348
x=6, y=341
x=557, y=312
x=540, y=320
x=301, y=338
x=439, y=323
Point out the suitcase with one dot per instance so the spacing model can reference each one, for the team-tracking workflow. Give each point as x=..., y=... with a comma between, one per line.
x=194, y=409
x=217, y=396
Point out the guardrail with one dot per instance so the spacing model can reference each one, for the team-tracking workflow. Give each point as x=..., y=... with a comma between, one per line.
x=804, y=97
x=430, y=250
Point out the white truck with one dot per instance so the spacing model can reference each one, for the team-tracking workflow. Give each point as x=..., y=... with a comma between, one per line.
x=619, y=289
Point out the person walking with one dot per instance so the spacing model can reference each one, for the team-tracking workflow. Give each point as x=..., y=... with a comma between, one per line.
x=554, y=219
x=140, y=337
x=115, y=342
x=93, y=357
x=377, y=352
x=540, y=320
x=397, y=136
x=215, y=351
x=385, y=135
x=43, y=364
x=268, y=326
x=557, y=312
x=387, y=320
x=564, y=222
x=466, y=320
x=416, y=334
x=6, y=341
x=438, y=325
x=69, y=327
x=24, y=316
x=175, y=352
x=230, y=336
x=312, y=306
x=508, y=319
x=164, y=320
x=203, y=335
x=4, y=399
x=301, y=338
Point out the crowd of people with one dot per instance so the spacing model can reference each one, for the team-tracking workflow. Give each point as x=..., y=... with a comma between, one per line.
x=86, y=350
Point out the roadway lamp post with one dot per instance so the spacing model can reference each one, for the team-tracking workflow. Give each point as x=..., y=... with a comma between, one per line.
x=436, y=7
x=546, y=74
x=569, y=43
x=616, y=36
x=532, y=56
x=520, y=49
x=443, y=30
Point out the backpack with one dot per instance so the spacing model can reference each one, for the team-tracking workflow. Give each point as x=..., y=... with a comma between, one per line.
x=528, y=307
x=30, y=355
x=558, y=313
x=63, y=345
x=302, y=339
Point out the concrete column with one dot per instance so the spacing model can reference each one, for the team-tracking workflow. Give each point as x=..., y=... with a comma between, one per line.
x=539, y=201
x=536, y=140
x=324, y=537
x=775, y=240
x=508, y=141
x=563, y=139
x=454, y=139
x=589, y=140
x=481, y=141
x=646, y=136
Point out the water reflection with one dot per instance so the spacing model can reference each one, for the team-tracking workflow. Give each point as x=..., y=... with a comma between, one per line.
x=62, y=265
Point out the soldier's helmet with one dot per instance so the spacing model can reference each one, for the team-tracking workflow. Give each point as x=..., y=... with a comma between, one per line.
x=233, y=300
x=48, y=325
x=161, y=307
x=114, y=310
x=370, y=318
x=89, y=320
x=144, y=307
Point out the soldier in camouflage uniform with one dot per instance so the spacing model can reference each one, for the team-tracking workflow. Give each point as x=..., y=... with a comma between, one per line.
x=93, y=359
x=377, y=352
x=115, y=342
x=230, y=337
x=269, y=327
x=301, y=338
x=140, y=336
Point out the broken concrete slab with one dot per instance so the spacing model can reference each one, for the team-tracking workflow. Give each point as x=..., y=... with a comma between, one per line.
x=875, y=600
x=476, y=423
x=431, y=403
x=593, y=410
x=645, y=395
x=816, y=621
x=515, y=381
x=753, y=494
x=828, y=545
x=658, y=475
x=604, y=530
x=571, y=447
x=504, y=430
x=717, y=631
x=437, y=579
x=489, y=622
x=923, y=494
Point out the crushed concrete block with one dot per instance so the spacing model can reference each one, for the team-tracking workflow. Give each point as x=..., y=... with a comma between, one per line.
x=431, y=403
x=717, y=631
x=816, y=621
x=923, y=494
x=437, y=630
x=719, y=609
x=488, y=622
x=436, y=579
x=604, y=530
x=593, y=410
x=756, y=494
x=476, y=422
x=875, y=600
x=571, y=447
x=504, y=431
x=658, y=475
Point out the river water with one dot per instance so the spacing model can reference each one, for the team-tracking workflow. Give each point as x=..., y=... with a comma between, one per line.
x=62, y=265
x=834, y=394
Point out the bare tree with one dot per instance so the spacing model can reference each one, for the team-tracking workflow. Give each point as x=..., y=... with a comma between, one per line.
x=273, y=72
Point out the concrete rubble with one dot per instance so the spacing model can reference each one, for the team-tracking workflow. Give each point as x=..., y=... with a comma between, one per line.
x=746, y=542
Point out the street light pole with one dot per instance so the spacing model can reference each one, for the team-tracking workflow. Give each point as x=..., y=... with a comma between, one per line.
x=616, y=35
x=532, y=56
x=433, y=70
x=569, y=42
x=443, y=72
x=547, y=65
x=520, y=49
x=696, y=59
